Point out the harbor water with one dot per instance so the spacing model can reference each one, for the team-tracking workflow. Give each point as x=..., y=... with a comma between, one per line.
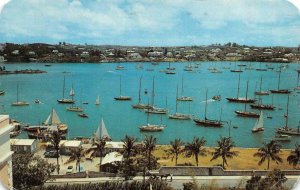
x=90, y=80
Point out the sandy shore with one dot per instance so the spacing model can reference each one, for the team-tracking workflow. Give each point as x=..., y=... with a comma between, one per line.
x=244, y=160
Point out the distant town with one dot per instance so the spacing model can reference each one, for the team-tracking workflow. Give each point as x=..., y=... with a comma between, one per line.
x=64, y=52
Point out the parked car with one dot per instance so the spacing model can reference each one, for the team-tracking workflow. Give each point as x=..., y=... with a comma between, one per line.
x=69, y=170
x=50, y=154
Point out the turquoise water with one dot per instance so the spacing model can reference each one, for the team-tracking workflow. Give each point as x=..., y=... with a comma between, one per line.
x=90, y=80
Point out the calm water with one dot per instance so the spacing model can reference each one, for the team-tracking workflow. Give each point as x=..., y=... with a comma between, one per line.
x=90, y=80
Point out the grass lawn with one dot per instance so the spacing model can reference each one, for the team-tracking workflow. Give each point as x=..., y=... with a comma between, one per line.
x=243, y=161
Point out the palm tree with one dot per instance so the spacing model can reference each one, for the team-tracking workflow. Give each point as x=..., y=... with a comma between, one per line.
x=55, y=139
x=225, y=144
x=176, y=149
x=269, y=151
x=196, y=148
x=76, y=155
x=129, y=146
x=97, y=149
x=294, y=157
x=149, y=145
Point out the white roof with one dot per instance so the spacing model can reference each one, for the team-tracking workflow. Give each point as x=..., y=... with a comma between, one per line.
x=22, y=142
x=111, y=144
x=3, y=117
x=112, y=157
x=70, y=143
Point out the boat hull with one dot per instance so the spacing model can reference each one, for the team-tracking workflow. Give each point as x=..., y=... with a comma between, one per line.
x=180, y=116
x=280, y=91
x=123, y=98
x=237, y=100
x=22, y=103
x=141, y=106
x=208, y=123
x=262, y=107
x=288, y=132
x=185, y=99
x=247, y=114
x=66, y=101
x=257, y=130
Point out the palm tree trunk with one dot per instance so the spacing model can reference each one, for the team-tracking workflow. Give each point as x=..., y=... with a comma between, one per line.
x=57, y=150
x=268, y=163
x=79, y=166
x=149, y=161
x=176, y=158
x=223, y=163
x=196, y=158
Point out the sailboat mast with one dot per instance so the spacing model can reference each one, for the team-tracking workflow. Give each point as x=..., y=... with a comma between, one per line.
x=64, y=86
x=246, y=94
x=287, y=114
x=238, y=92
x=260, y=83
x=152, y=101
x=176, y=99
x=206, y=104
x=298, y=79
x=17, y=92
x=279, y=78
x=182, y=87
x=140, y=90
x=120, y=86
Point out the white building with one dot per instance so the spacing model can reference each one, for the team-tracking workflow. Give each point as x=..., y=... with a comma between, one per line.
x=23, y=145
x=6, y=153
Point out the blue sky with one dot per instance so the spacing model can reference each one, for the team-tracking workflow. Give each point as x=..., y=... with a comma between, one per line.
x=151, y=22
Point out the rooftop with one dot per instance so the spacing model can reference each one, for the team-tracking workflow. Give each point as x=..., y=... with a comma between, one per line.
x=112, y=157
x=22, y=142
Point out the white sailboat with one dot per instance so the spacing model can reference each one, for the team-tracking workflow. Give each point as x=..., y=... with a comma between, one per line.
x=140, y=105
x=259, y=125
x=177, y=115
x=101, y=133
x=65, y=100
x=184, y=98
x=19, y=103
x=121, y=97
x=97, y=100
x=72, y=107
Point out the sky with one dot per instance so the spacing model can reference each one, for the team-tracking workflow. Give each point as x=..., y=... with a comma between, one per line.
x=151, y=22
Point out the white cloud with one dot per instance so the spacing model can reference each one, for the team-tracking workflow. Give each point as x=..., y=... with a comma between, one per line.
x=109, y=19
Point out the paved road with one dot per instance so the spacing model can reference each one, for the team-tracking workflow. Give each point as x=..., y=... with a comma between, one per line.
x=177, y=181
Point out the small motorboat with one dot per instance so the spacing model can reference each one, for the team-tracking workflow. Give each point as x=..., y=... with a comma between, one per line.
x=37, y=101
x=85, y=103
x=83, y=115
x=217, y=97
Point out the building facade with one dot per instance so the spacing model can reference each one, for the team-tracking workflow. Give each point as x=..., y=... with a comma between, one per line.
x=6, y=153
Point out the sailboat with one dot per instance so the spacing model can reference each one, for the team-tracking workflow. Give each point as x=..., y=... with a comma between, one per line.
x=262, y=106
x=261, y=69
x=65, y=100
x=170, y=68
x=2, y=92
x=280, y=91
x=151, y=127
x=50, y=124
x=74, y=108
x=259, y=124
x=19, y=103
x=184, y=98
x=101, y=133
x=240, y=99
x=246, y=113
x=208, y=122
x=153, y=109
x=97, y=100
x=236, y=70
x=286, y=130
x=189, y=67
x=260, y=92
x=177, y=115
x=122, y=98
x=139, y=105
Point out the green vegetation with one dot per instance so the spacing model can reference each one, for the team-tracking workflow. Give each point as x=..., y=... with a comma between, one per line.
x=134, y=185
x=55, y=139
x=176, y=149
x=195, y=148
x=294, y=157
x=29, y=171
x=225, y=144
x=97, y=149
x=269, y=152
